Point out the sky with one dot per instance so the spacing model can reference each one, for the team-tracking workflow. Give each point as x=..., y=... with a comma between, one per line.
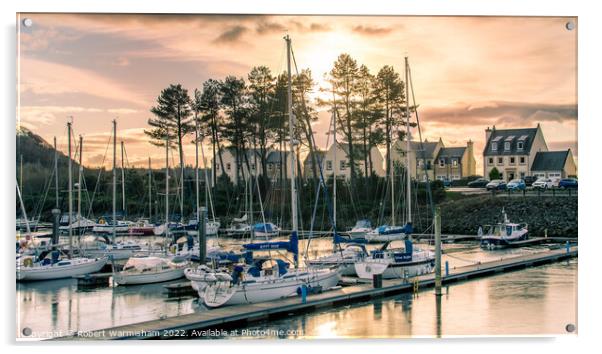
x=469, y=73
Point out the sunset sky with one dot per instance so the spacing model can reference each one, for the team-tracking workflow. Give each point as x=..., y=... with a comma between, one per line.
x=468, y=72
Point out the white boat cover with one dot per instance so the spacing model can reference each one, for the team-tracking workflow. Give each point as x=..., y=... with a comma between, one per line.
x=141, y=263
x=243, y=219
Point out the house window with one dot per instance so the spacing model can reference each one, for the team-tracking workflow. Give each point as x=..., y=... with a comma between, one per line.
x=441, y=163
x=512, y=160
x=343, y=165
x=507, y=146
x=454, y=162
x=329, y=165
x=494, y=146
x=522, y=160
x=520, y=145
x=253, y=166
x=491, y=160
x=228, y=166
x=270, y=166
x=217, y=167
x=522, y=175
x=500, y=160
x=456, y=177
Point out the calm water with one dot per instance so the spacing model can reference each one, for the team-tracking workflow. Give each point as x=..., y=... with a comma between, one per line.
x=539, y=300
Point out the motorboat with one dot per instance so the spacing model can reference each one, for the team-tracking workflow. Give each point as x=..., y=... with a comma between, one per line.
x=503, y=234
x=395, y=263
x=148, y=270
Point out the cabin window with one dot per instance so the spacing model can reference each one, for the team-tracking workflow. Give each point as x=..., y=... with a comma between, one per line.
x=343, y=165
x=228, y=166
x=329, y=165
x=494, y=146
x=507, y=146
x=520, y=145
x=500, y=160
x=522, y=160
x=491, y=160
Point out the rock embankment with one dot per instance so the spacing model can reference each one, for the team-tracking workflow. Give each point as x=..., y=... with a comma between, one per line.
x=557, y=215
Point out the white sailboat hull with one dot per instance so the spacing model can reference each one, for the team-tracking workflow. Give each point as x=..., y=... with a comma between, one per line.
x=148, y=278
x=56, y=271
x=117, y=254
x=222, y=294
x=389, y=270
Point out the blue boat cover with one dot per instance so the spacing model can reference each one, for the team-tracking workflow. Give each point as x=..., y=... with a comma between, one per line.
x=263, y=227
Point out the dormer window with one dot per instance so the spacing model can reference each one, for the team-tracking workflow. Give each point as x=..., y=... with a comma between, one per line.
x=329, y=165
x=494, y=146
x=441, y=162
x=454, y=162
x=507, y=146
x=520, y=145
x=343, y=165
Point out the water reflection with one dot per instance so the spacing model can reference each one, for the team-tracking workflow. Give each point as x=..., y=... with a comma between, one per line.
x=535, y=301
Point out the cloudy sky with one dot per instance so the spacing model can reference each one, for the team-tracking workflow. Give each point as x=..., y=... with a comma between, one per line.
x=468, y=72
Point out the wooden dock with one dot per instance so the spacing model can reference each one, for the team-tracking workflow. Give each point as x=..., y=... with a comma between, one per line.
x=243, y=314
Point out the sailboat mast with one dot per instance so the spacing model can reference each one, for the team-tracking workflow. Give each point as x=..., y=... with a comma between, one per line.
x=114, y=179
x=79, y=183
x=206, y=179
x=56, y=176
x=409, y=176
x=392, y=177
x=166, y=182
x=70, y=184
x=334, y=170
x=122, y=178
x=291, y=130
x=196, y=167
x=150, y=191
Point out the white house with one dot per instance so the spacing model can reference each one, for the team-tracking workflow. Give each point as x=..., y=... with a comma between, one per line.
x=251, y=165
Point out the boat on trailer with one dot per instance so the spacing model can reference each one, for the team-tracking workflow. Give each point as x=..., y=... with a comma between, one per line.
x=503, y=234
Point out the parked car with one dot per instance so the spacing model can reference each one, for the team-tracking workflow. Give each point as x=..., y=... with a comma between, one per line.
x=529, y=180
x=478, y=183
x=555, y=182
x=516, y=184
x=542, y=183
x=447, y=183
x=567, y=183
x=496, y=184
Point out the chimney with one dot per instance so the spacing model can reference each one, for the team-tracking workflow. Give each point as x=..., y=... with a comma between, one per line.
x=469, y=146
x=488, y=133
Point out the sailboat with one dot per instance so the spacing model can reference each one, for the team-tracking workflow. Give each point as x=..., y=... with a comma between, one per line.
x=59, y=265
x=390, y=261
x=353, y=251
x=267, y=282
x=149, y=270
